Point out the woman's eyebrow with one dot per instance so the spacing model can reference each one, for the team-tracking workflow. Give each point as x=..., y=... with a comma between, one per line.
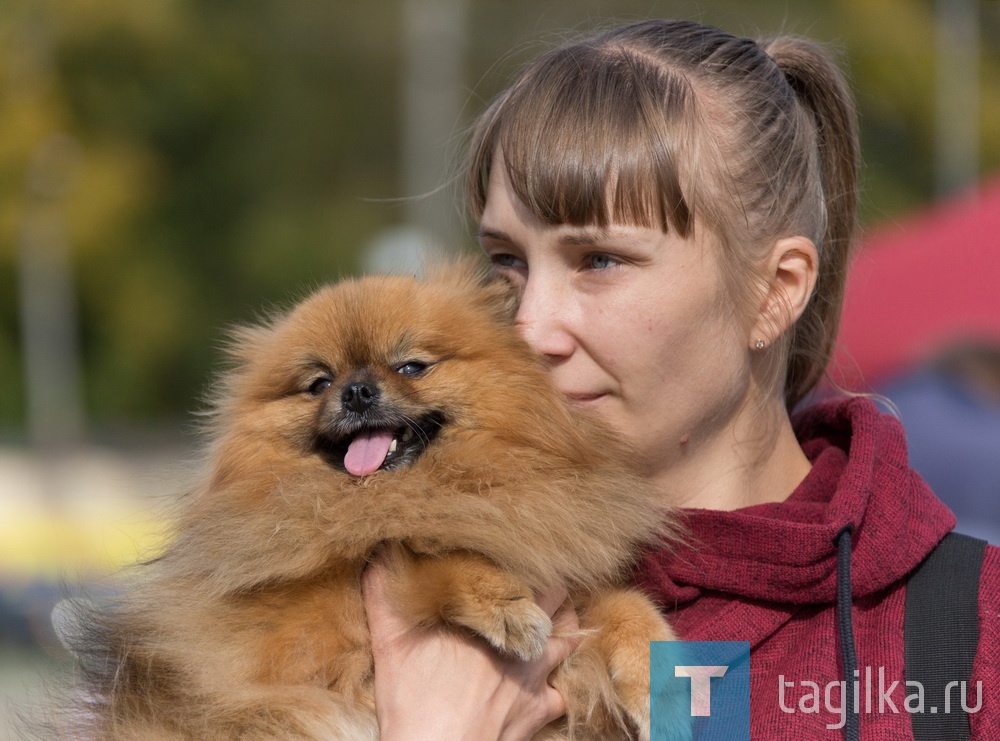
x=495, y=234
x=587, y=238
x=614, y=235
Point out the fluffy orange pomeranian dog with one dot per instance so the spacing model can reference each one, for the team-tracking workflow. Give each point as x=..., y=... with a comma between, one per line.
x=391, y=414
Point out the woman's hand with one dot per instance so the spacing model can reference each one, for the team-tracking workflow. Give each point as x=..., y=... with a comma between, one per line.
x=442, y=684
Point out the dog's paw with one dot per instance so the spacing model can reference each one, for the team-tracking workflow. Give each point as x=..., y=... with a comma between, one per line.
x=517, y=627
x=463, y=589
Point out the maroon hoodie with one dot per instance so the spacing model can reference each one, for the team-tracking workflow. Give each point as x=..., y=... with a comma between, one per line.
x=768, y=575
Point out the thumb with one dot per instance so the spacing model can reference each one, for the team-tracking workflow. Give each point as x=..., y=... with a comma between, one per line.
x=385, y=623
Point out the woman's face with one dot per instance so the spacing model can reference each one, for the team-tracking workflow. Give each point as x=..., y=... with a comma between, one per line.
x=635, y=324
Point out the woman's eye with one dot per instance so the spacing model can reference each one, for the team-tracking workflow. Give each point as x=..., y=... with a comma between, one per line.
x=412, y=368
x=319, y=385
x=503, y=260
x=600, y=262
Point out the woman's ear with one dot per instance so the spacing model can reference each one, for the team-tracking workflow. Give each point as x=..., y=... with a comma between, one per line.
x=791, y=271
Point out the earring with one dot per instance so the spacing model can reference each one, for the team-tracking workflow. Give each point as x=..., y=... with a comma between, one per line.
x=759, y=344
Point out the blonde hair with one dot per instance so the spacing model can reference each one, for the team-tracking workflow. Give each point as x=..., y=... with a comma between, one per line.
x=674, y=124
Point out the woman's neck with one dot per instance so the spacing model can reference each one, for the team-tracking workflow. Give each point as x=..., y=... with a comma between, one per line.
x=754, y=460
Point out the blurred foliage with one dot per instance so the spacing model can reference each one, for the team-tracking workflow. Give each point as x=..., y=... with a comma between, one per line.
x=230, y=155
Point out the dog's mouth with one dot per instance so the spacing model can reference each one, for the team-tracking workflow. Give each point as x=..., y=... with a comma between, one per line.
x=374, y=448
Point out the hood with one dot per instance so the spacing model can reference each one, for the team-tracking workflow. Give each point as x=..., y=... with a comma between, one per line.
x=786, y=552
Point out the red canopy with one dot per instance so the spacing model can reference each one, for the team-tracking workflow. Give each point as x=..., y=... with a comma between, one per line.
x=920, y=284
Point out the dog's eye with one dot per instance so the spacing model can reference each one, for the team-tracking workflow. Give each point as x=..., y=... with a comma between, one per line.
x=412, y=368
x=319, y=385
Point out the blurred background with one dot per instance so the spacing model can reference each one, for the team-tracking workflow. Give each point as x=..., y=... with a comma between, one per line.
x=169, y=168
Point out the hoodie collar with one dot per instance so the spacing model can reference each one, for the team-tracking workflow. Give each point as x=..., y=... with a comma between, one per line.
x=785, y=552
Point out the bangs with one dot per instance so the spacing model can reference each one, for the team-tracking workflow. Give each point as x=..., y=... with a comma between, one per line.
x=590, y=136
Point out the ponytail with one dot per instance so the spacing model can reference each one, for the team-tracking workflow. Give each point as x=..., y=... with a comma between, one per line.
x=823, y=92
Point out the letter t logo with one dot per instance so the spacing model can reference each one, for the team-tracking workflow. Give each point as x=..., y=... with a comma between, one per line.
x=701, y=686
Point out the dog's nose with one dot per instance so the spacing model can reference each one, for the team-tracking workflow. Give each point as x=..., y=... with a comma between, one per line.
x=357, y=397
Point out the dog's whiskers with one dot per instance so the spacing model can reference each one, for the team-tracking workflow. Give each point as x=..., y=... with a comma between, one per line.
x=414, y=424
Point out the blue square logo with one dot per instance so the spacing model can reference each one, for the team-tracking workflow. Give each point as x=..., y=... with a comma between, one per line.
x=699, y=690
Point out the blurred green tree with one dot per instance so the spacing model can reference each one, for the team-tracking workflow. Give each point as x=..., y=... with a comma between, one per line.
x=226, y=151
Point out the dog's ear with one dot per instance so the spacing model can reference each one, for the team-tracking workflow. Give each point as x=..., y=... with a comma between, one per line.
x=246, y=342
x=501, y=295
x=472, y=276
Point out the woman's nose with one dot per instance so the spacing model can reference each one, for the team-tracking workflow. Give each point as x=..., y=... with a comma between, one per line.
x=541, y=319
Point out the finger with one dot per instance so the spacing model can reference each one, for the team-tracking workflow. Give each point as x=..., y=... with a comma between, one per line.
x=555, y=705
x=566, y=622
x=383, y=620
x=558, y=649
x=374, y=582
x=552, y=600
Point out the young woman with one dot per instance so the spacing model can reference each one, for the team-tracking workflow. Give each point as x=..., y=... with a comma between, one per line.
x=677, y=206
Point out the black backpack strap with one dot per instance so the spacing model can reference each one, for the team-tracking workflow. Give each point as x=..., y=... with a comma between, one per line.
x=942, y=634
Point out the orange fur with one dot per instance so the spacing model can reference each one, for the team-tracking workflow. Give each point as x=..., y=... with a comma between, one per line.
x=251, y=626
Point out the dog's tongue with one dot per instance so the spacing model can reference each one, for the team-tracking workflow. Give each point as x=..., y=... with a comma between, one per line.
x=367, y=451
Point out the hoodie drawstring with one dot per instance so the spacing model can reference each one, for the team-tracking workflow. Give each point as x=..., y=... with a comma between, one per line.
x=845, y=631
